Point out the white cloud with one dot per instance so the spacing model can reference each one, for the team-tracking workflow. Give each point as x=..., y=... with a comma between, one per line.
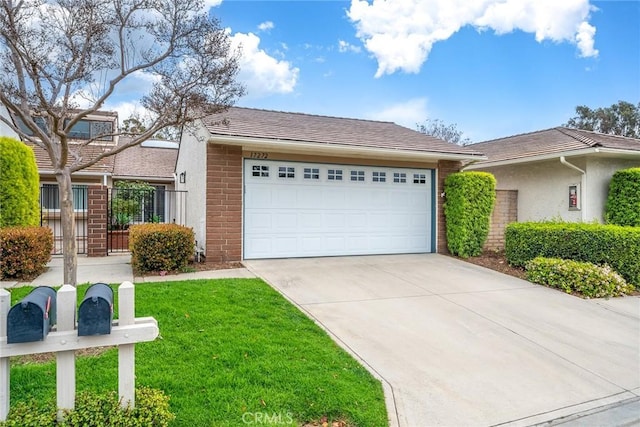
x=407, y=114
x=266, y=26
x=261, y=73
x=344, y=46
x=208, y=4
x=400, y=34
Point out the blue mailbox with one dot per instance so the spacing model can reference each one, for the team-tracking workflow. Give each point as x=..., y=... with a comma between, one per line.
x=96, y=310
x=32, y=318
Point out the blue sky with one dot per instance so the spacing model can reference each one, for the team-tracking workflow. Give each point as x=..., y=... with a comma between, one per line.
x=493, y=67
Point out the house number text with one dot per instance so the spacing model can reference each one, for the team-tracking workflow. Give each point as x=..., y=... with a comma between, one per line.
x=259, y=155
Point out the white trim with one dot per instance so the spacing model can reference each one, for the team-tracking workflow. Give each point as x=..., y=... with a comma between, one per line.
x=551, y=156
x=314, y=148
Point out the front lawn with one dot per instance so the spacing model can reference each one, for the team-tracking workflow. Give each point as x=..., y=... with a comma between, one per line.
x=230, y=352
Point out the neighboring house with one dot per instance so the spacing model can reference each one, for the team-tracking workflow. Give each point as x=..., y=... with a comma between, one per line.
x=153, y=162
x=558, y=173
x=267, y=184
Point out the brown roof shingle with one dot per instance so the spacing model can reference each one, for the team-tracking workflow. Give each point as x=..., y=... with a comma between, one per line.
x=549, y=142
x=77, y=154
x=145, y=162
x=276, y=125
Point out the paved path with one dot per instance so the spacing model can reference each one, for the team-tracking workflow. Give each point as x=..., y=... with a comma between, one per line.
x=116, y=269
x=458, y=344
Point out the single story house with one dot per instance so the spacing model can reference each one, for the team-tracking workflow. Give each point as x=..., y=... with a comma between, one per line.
x=268, y=184
x=558, y=173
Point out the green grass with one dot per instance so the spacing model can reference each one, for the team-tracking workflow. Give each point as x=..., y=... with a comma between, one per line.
x=227, y=348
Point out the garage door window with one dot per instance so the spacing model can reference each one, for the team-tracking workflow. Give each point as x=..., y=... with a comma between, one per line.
x=260, y=171
x=419, y=178
x=334, y=174
x=311, y=173
x=357, y=176
x=399, y=177
x=286, y=172
x=379, y=177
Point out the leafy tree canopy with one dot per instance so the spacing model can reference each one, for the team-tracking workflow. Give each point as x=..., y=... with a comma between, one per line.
x=621, y=119
x=440, y=129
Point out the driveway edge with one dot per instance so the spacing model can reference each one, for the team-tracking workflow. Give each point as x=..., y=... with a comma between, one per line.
x=389, y=396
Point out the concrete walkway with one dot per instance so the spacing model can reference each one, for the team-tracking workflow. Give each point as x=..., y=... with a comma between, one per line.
x=116, y=269
x=461, y=345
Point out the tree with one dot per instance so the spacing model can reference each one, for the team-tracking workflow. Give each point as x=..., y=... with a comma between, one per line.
x=19, y=185
x=622, y=119
x=439, y=129
x=61, y=60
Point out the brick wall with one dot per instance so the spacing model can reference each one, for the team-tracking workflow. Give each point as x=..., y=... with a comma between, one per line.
x=445, y=168
x=97, y=221
x=505, y=211
x=224, y=203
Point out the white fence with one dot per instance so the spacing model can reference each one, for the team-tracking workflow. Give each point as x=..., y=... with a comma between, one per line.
x=64, y=340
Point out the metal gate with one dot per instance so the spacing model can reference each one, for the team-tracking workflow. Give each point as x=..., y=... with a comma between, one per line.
x=127, y=206
x=50, y=215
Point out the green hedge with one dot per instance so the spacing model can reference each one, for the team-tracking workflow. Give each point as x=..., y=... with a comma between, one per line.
x=590, y=280
x=24, y=251
x=616, y=246
x=623, y=202
x=19, y=185
x=470, y=197
x=160, y=247
x=93, y=409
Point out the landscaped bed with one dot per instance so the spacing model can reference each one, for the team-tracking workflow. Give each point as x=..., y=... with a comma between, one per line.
x=230, y=352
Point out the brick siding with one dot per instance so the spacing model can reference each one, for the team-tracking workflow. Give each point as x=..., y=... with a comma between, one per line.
x=505, y=211
x=97, y=221
x=224, y=203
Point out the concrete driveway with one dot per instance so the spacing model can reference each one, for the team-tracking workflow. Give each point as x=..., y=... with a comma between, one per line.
x=456, y=344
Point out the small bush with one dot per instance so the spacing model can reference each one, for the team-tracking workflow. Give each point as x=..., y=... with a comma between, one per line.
x=92, y=409
x=623, y=202
x=19, y=185
x=468, y=207
x=160, y=247
x=24, y=251
x=590, y=280
x=616, y=246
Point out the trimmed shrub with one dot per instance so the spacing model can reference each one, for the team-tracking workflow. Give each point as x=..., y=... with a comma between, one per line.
x=467, y=210
x=160, y=247
x=93, y=409
x=613, y=245
x=590, y=280
x=24, y=251
x=19, y=185
x=623, y=202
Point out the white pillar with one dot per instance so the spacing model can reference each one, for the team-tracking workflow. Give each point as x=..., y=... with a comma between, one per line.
x=126, y=352
x=66, y=360
x=5, y=305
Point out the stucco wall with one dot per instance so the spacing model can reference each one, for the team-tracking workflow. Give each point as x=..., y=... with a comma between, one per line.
x=5, y=130
x=543, y=187
x=192, y=158
x=600, y=171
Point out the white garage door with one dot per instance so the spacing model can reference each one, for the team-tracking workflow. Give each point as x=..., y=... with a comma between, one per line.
x=308, y=209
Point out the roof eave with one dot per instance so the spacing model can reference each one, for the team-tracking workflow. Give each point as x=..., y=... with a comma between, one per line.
x=528, y=159
x=552, y=156
x=337, y=150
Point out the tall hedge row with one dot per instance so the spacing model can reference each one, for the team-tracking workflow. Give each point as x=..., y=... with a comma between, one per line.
x=470, y=197
x=623, y=202
x=616, y=246
x=19, y=185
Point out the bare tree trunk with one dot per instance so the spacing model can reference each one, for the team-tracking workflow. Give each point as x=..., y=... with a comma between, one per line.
x=68, y=218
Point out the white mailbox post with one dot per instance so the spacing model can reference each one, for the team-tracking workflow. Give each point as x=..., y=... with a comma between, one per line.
x=64, y=340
